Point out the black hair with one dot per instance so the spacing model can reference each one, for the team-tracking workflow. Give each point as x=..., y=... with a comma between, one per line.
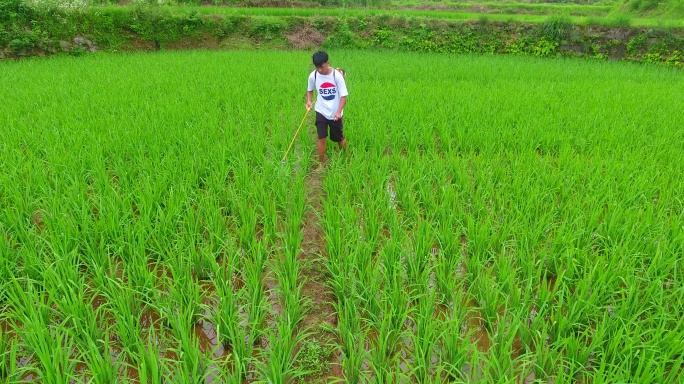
x=319, y=58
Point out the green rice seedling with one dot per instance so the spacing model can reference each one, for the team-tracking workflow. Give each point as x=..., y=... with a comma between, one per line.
x=577, y=353
x=294, y=219
x=456, y=336
x=389, y=205
x=181, y=312
x=418, y=260
x=271, y=221
x=352, y=340
x=98, y=360
x=9, y=358
x=232, y=328
x=45, y=339
x=382, y=356
x=531, y=317
x=372, y=222
x=474, y=369
x=392, y=266
x=448, y=267
x=343, y=282
x=32, y=254
x=7, y=263
x=101, y=271
x=192, y=364
x=425, y=337
x=489, y=298
x=582, y=308
x=333, y=230
x=369, y=288
x=648, y=368
x=247, y=225
x=288, y=270
x=127, y=310
x=184, y=291
x=203, y=261
x=290, y=284
x=294, y=305
x=406, y=198
x=673, y=371
x=74, y=308
x=255, y=294
x=507, y=278
x=283, y=352
x=547, y=361
x=500, y=364
x=5, y=348
x=338, y=255
x=389, y=326
x=214, y=231
x=151, y=367
x=11, y=368
x=283, y=340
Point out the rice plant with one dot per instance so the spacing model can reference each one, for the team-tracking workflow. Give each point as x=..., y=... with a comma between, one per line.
x=493, y=218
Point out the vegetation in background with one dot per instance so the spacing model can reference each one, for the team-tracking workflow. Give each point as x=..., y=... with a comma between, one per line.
x=664, y=9
x=28, y=31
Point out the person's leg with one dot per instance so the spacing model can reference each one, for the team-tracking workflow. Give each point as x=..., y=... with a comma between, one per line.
x=321, y=149
x=322, y=128
x=337, y=134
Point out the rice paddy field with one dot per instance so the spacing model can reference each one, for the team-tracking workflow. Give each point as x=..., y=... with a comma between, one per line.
x=494, y=219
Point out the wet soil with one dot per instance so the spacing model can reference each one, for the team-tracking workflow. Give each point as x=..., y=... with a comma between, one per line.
x=315, y=274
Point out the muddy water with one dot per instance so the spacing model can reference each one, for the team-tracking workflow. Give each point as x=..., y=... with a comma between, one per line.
x=517, y=347
x=276, y=304
x=8, y=328
x=259, y=232
x=475, y=325
x=162, y=272
x=37, y=220
x=549, y=282
x=12, y=244
x=81, y=370
x=385, y=232
x=150, y=318
x=126, y=369
x=97, y=302
x=206, y=335
x=335, y=362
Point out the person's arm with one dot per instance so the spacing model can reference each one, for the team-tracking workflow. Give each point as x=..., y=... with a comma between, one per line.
x=338, y=114
x=343, y=97
x=309, y=96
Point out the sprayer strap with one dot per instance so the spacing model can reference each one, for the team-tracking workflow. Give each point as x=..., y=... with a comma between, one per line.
x=334, y=78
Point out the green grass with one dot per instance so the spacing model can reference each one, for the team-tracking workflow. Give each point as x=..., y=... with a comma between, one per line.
x=512, y=7
x=668, y=9
x=493, y=218
x=612, y=19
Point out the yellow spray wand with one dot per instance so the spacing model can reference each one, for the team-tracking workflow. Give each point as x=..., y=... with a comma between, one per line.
x=295, y=136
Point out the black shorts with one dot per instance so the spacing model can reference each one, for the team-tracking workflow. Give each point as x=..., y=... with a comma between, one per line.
x=336, y=128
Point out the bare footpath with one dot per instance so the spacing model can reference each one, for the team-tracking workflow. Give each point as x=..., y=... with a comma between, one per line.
x=316, y=353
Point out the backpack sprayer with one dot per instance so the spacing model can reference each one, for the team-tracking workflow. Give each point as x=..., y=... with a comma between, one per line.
x=295, y=136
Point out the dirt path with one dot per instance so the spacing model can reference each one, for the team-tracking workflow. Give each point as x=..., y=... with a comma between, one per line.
x=315, y=275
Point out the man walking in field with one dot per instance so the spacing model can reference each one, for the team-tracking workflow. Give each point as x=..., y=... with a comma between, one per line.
x=330, y=102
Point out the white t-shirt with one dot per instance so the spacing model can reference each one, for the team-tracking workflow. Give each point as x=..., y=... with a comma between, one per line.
x=330, y=89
